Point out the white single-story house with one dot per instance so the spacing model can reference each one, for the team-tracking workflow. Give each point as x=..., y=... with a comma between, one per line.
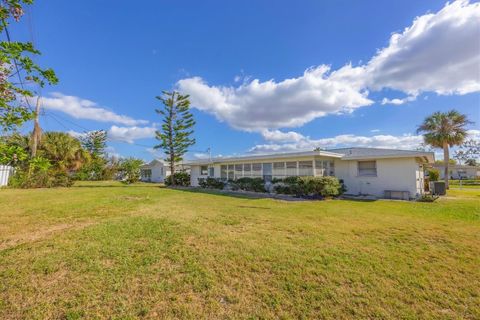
x=459, y=171
x=155, y=171
x=364, y=171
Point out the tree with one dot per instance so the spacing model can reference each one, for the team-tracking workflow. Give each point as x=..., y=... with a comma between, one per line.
x=471, y=162
x=95, y=142
x=130, y=169
x=63, y=151
x=443, y=130
x=175, y=135
x=18, y=72
x=469, y=151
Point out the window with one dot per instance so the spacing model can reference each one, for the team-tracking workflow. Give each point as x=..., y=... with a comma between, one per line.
x=146, y=173
x=291, y=168
x=367, y=168
x=223, y=172
x=279, y=169
x=247, y=170
x=305, y=168
x=332, y=169
x=231, y=173
x=203, y=170
x=256, y=169
x=238, y=171
x=320, y=168
x=211, y=172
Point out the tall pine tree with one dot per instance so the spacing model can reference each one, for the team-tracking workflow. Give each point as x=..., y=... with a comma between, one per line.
x=175, y=136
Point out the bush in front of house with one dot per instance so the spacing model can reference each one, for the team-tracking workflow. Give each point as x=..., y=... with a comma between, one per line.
x=310, y=186
x=181, y=179
x=211, y=183
x=248, y=184
x=427, y=198
x=433, y=174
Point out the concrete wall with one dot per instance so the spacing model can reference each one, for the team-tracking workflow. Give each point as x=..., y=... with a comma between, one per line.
x=399, y=174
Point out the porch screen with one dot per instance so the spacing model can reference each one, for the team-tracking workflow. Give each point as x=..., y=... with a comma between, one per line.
x=223, y=172
x=238, y=171
x=279, y=169
x=231, y=173
x=291, y=168
x=256, y=170
x=305, y=168
x=247, y=170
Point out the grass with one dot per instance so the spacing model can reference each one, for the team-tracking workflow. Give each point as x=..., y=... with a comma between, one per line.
x=108, y=251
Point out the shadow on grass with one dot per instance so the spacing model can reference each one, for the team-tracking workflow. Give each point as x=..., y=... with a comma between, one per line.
x=118, y=185
x=221, y=193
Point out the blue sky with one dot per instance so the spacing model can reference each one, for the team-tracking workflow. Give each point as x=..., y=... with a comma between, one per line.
x=114, y=57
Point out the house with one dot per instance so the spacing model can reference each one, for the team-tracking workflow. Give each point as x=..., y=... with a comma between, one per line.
x=155, y=171
x=459, y=171
x=364, y=171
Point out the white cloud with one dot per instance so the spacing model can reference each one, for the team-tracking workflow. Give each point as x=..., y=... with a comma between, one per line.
x=130, y=134
x=375, y=130
x=473, y=134
x=270, y=104
x=85, y=109
x=279, y=136
x=439, y=53
x=397, y=101
x=405, y=141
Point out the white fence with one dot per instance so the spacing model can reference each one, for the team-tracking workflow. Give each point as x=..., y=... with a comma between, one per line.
x=5, y=173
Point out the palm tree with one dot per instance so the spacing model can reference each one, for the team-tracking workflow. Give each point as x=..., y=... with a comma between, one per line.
x=63, y=150
x=443, y=130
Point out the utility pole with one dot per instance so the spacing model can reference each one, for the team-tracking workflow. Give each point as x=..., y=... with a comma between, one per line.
x=37, y=131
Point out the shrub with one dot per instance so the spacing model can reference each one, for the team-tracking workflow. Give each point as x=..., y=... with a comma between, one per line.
x=310, y=186
x=39, y=174
x=249, y=184
x=211, y=183
x=433, y=174
x=130, y=169
x=181, y=179
x=427, y=198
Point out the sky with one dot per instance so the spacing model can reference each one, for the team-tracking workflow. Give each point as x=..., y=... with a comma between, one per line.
x=263, y=76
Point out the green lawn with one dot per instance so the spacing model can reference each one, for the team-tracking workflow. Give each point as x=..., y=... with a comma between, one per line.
x=108, y=251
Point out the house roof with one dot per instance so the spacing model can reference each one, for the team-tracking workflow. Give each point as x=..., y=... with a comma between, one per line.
x=376, y=153
x=152, y=163
x=341, y=153
x=284, y=155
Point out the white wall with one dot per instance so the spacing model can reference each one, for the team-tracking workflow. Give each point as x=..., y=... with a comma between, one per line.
x=159, y=172
x=399, y=174
x=195, y=174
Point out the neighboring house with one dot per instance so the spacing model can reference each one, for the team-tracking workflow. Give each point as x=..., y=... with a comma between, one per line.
x=459, y=171
x=155, y=171
x=364, y=171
